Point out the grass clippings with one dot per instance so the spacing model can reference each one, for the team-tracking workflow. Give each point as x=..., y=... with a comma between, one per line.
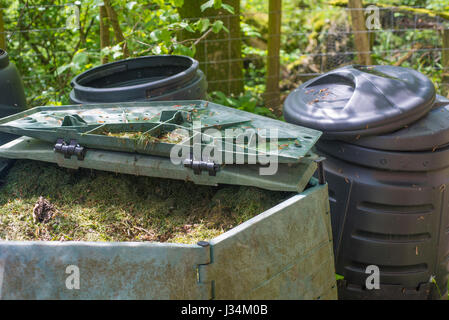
x=41, y=201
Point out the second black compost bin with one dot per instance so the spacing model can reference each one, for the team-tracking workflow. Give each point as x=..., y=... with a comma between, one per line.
x=12, y=98
x=388, y=183
x=150, y=78
x=12, y=93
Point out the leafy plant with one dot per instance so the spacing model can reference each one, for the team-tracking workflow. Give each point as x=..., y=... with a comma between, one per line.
x=246, y=102
x=49, y=50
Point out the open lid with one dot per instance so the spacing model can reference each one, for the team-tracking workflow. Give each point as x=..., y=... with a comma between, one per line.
x=289, y=177
x=360, y=100
x=428, y=133
x=200, y=130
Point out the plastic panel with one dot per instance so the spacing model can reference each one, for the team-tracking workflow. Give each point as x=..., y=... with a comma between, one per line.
x=283, y=253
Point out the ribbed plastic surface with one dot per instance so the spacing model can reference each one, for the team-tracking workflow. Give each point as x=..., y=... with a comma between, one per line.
x=396, y=220
x=356, y=101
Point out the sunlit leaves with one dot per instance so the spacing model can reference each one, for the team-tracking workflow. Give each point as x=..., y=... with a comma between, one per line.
x=184, y=50
x=218, y=25
x=161, y=35
x=217, y=4
x=178, y=3
x=80, y=62
x=130, y=5
x=207, y=5
x=228, y=8
x=202, y=25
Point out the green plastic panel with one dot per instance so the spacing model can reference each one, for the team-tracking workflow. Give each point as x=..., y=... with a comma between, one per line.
x=289, y=177
x=155, y=127
x=284, y=253
x=121, y=270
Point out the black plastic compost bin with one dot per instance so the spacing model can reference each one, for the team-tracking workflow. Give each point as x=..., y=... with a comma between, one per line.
x=150, y=78
x=12, y=94
x=388, y=192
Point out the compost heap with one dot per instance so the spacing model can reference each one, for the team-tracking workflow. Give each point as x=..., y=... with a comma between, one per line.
x=41, y=201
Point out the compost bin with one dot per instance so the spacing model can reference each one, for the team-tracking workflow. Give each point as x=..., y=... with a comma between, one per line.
x=12, y=96
x=150, y=78
x=284, y=252
x=388, y=170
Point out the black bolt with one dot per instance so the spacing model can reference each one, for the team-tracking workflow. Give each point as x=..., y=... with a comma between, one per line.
x=203, y=243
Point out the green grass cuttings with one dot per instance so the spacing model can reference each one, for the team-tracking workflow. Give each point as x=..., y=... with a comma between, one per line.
x=93, y=205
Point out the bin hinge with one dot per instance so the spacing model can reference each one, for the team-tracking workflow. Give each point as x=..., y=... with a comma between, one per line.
x=198, y=166
x=204, y=277
x=69, y=150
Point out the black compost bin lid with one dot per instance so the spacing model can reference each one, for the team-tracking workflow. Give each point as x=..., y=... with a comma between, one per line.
x=428, y=133
x=360, y=100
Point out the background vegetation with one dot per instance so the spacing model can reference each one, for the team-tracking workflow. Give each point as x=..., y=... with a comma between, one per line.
x=52, y=41
x=50, y=45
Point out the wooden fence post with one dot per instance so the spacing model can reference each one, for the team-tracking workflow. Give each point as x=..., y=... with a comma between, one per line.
x=445, y=62
x=220, y=55
x=361, y=38
x=104, y=32
x=112, y=15
x=272, y=94
x=2, y=32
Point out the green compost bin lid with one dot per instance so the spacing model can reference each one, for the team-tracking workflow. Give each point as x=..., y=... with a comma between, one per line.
x=219, y=144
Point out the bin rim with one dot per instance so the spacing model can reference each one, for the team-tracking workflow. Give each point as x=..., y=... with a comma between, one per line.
x=186, y=75
x=198, y=80
x=412, y=161
x=428, y=133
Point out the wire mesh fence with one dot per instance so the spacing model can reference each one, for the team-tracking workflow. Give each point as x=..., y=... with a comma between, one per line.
x=312, y=41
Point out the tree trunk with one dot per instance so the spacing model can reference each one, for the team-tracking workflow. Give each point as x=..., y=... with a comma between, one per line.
x=2, y=32
x=272, y=94
x=104, y=32
x=445, y=62
x=361, y=37
x=116, y=26
x=220, y=55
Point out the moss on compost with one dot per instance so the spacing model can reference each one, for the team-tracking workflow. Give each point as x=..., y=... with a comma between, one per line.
x=173, y=137
x=101, y=206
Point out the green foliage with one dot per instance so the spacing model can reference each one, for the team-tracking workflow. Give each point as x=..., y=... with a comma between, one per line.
x=339, y=277
x=246, y=102
x=50, y=51
x=217, y=4
x=54, y=48
x=79, y=63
